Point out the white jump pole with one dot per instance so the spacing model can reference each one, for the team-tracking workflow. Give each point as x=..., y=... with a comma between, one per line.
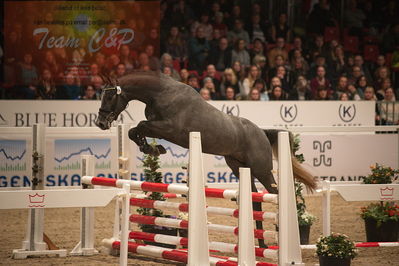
x=86, y=245
x=289, y=244
x=35, y=230
x=246, y=250
x=123, y=152
x=198, y=246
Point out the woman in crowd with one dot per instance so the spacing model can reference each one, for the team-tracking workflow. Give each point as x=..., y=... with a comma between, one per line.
x=248, y=82
x=254, y=94
x=277, y=94
x=176, y=45
x=46, y=88
x=229, y=79
x=240, y=53
x=260, y=85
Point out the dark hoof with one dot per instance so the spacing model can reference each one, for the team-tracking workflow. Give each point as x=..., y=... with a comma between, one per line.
x=161, y=149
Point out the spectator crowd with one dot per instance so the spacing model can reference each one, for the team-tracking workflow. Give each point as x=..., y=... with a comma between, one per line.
x=231, y=50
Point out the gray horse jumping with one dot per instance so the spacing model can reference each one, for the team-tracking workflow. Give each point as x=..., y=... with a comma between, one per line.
x=174, y=109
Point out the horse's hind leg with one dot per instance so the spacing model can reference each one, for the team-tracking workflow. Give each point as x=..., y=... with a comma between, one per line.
x=257, y=206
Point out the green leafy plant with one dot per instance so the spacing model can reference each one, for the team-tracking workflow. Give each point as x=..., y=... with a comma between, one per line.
x=381, y=212
x=304, y=217
x=151, y=174
x=336, y=245
x=380, y=175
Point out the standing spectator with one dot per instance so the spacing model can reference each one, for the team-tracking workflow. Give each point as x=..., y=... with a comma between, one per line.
x=354, y=18
x=248, y=82
x=281, y=29
x=301, y=90
x=220, y=56
x=278, y=50
x=204, y=24
x=167, y=61
x=46, y=88
x=176, y=45
x=320, y=80
x=277, y=94
x=238, y=33
x=240, y=53
x=320, y=18
x=229, y=80
x=198, y=50
x=389, y=110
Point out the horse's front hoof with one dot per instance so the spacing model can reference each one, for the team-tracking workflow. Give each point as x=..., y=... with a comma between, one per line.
x=161, y=149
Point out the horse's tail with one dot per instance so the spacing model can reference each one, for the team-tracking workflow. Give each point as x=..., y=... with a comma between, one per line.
x=300, y=173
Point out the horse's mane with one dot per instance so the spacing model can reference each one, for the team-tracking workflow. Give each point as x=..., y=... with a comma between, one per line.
x=111, y=82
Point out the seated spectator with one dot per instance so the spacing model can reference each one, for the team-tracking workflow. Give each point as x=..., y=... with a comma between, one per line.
x=239, y=70
x=260, y=85
x=214, y=75
x=184, y=74
x=46, y=88
x=100, y=62
x=248, y=82
x=28, y=77
x=89, y=93
x=240, y=53
x=193, y=82
x=341, y=87
x=257, y=49
x=260, y=62
x=126, y=58
x=299, y=68
x=319, y=61
x=256, y=29
x=167, y=71
x=229, y=79
x=198, y=51
x=337, y=62
x=167, y=61
x=50, y=63
x=361, y=84
x=381, y=74
x=208, y=84
x=277, y=94
x=275, y=82
x=238, y=33
x=298, y=46
x=301, y=90
x=230, y=94
x=318, y=48
x=382, y=87
x=70, y=89
x=119, y=72
x=353, y=93
x=369, y=94
x=286, y=78
x=320, y=81
x=281, y=29
x=254, y=95
x=205, y=94
x=220, y=56
x=322, y=94
x=205, y=24
x=358, y=61
x=276, y=51
x=278, y=61
x=343, y=97
x=113, y=62
x=153, y=59
x=355, y=74
x=219, y=24
x=97, y=83
x=381, y=62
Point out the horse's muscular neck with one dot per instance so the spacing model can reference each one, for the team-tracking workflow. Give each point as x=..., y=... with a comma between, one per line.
x=140, y=86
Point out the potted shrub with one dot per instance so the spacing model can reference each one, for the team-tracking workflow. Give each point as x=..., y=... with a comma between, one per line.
x=305, y=219
x=381, y=219
x=335, y=249
x=151, y=174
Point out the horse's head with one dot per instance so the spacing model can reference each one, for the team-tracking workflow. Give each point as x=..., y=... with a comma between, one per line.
x=113, y=102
